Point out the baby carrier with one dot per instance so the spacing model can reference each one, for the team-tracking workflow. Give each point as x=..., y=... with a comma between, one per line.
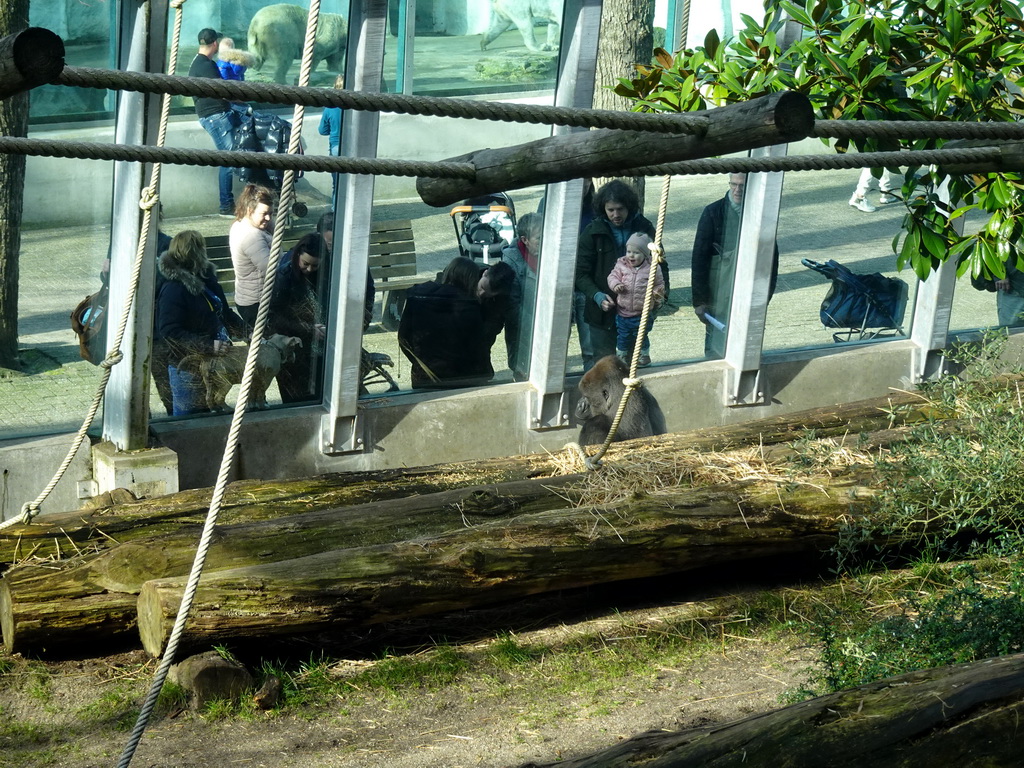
x=485, y=226
x=867, y=306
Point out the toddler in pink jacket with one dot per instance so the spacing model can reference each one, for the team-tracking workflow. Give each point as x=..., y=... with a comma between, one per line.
x=628, y=281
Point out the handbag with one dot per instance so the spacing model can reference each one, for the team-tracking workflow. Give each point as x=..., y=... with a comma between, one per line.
x=89, y=322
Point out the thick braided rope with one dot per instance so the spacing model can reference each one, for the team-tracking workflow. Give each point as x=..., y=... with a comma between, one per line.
x=914, y=129
x=631, y=382
x=231, y=446
x=88, y=77
x=85, y=150
x=448, y=170
x=148, y=201
x=824, y=162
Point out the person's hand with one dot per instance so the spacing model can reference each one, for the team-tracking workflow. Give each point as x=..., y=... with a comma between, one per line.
x=607, y=304
x=700, y=310
x=620, y=288
x=220, y=346
x=319, y=331
x=1003, y=285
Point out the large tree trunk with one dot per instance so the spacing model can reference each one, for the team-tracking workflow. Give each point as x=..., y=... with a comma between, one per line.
x=94, y=598
x=966, y=715
x=627, y=39
x=563, y=547
x=13, y=122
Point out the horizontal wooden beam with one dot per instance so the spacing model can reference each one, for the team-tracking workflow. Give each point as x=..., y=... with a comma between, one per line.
x=778, y=118
x=34, y=56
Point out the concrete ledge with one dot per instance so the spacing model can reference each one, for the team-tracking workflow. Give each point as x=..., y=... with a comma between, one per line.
x=146, y=473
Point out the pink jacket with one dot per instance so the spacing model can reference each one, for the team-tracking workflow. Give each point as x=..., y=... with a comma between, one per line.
x=631, y=303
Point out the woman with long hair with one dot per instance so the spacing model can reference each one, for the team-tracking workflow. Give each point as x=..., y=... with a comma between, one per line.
x=192, y=317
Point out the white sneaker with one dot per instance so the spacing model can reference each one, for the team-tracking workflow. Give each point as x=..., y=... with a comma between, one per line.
x=887, y=198
x=861, y=204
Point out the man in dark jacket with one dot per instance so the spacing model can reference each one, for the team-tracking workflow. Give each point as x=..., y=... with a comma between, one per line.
x=602, y=242
x=713, y=263
x=215, y=115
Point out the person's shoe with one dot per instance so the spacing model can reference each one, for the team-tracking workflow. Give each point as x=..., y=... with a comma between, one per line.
x=887, y=198
x=861, y=204
x=227, y=211
x=645, y=360
x=623, y=355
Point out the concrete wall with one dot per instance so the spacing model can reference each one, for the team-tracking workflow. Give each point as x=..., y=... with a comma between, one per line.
x=417, y=429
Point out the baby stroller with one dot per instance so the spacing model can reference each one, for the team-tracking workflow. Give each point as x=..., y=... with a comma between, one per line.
x=867, y=306
x=485, y=226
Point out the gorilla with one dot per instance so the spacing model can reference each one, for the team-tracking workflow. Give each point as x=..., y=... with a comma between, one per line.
x=601, y=389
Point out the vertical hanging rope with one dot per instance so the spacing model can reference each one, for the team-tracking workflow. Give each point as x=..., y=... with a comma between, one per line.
x=631, y=382
x=148, y=201
x=231, y=447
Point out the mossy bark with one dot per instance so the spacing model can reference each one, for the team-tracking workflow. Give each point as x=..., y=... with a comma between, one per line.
x=562, y=547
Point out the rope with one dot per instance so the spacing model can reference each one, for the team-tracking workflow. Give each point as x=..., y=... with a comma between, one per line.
x=914, y=129
x=85, y=150
x=149, y=200
x=145, y=82
x=448, y=170
x=957, y=156
x=248, y=375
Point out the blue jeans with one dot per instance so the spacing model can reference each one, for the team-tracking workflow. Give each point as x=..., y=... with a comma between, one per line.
x=187, y=392
x=222, y=130
x=627, y=330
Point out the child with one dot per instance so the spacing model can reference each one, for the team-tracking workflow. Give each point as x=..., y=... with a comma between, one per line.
x=231, y=61
x=628, y=280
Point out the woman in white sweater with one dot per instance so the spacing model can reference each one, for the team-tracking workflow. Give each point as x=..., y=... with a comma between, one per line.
x=249, y=239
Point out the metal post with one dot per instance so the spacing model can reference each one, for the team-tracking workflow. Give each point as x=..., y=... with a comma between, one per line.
x=350, y=257
x=755, y=252
x=581, y=24
x=141, y=46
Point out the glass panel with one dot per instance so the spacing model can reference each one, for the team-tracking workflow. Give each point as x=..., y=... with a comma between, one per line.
x=259, y=42
x=65, y=235
x=846, y=217
x=979, y=306
x=459, y=50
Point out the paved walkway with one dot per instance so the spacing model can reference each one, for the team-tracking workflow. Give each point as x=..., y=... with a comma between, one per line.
x=60, y=266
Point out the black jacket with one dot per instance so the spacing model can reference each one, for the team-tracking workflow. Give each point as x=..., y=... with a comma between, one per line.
x=707, y=244
x=447, y=337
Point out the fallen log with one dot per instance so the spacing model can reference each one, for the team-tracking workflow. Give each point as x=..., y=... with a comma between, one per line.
x=966, y=715
x=67, y=535
x=777, y=118
x=93, y=599
x=673, y=531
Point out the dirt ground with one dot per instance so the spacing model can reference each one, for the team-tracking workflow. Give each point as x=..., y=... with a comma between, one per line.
x=463, y=725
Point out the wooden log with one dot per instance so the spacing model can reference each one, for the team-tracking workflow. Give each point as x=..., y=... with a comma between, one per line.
x=528, y=554
x=774, y=119
x=65, y=535
x=93, y=599
x=966, y=715
x=34, y=56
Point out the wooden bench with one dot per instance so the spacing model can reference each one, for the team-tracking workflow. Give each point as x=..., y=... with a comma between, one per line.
x=392, y=262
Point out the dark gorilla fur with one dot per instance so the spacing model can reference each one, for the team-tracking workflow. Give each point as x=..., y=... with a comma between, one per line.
x=601, y=389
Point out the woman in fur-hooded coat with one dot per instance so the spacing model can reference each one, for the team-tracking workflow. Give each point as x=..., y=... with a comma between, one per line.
x=192, y=317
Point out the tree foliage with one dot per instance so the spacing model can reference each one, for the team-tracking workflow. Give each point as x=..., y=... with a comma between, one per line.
x=879, y=60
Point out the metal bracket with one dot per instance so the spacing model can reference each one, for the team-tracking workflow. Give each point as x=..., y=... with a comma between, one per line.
x=928, y=364
x=549, y=411
x=745, y=388
x=347, y=433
